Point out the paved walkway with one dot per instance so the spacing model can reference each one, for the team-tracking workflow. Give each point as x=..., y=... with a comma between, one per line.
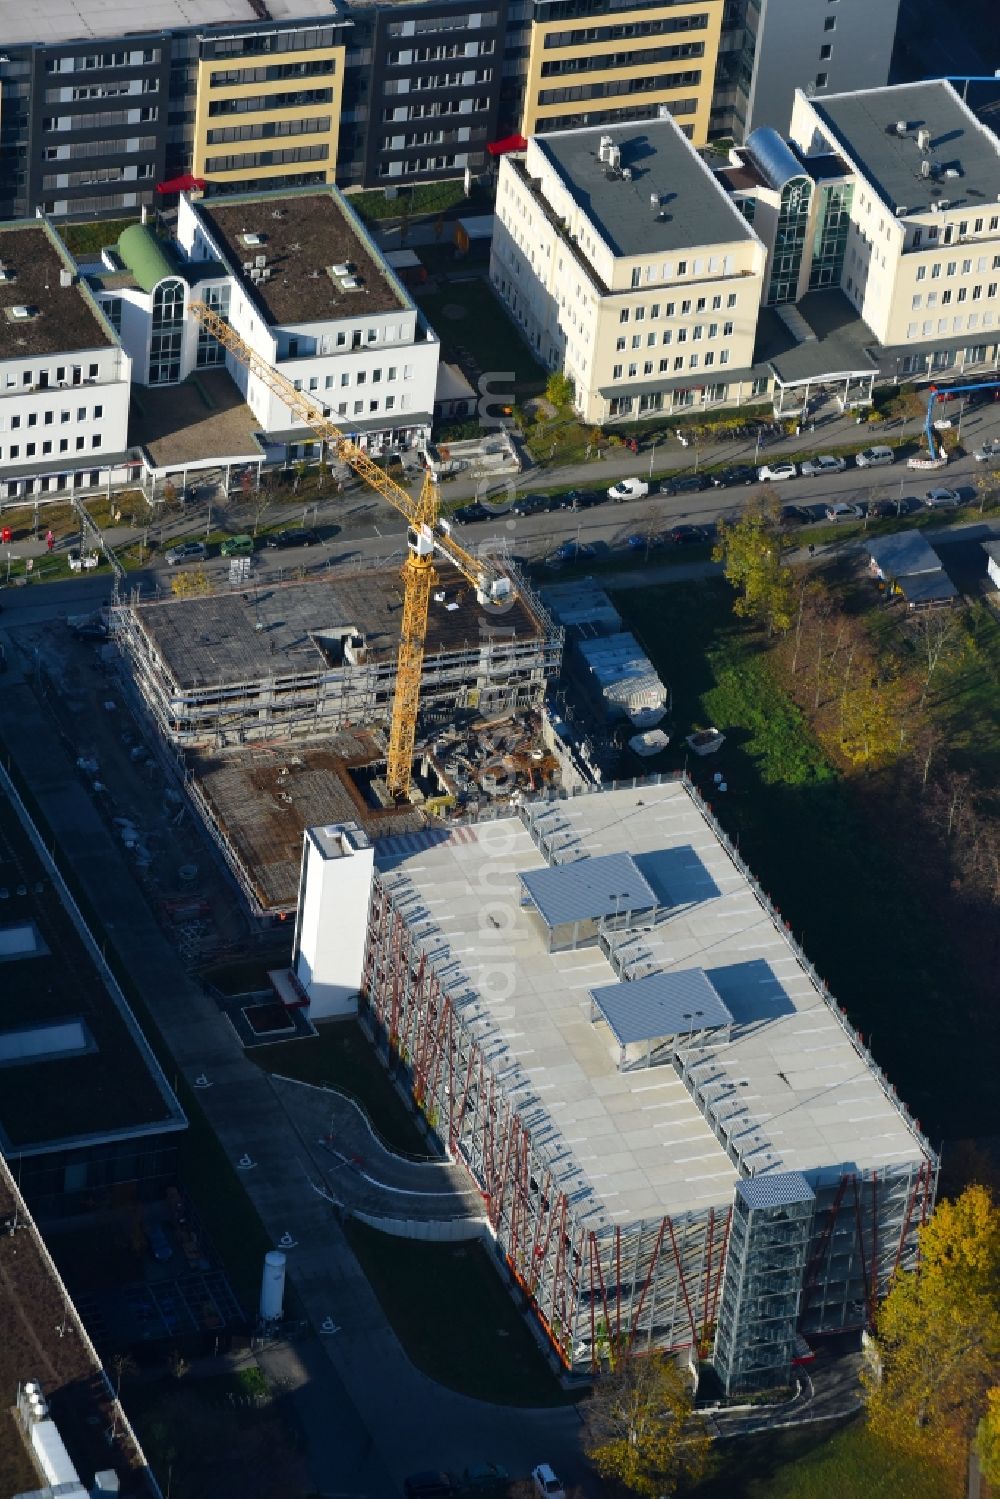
x=372, y=1417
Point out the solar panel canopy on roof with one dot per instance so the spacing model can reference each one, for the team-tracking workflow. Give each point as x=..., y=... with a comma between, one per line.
x=588, y=889
x=781, y=1189
x=661, y=1004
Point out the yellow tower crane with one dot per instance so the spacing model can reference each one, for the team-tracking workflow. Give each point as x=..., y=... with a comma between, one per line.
x=426, y=534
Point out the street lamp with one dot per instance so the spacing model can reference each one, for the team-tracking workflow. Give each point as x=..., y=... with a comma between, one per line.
x=652, y=455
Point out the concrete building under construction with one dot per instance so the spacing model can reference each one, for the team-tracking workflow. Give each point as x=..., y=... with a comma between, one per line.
x=679, y=1138
x=301, y=660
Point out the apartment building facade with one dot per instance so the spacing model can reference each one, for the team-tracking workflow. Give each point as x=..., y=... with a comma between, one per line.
x=768, y=48
x=590, y=62
x=373, y=94
x=64, y=376
x=627, y=265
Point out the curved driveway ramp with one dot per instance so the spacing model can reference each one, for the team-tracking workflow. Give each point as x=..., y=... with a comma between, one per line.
x=414, y=1199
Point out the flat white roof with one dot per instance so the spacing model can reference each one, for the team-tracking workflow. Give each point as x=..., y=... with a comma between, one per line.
x=122, y=20
x=804, y=1096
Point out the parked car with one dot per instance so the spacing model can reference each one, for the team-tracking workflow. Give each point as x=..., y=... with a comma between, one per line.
x=884, y=508
x=545, y=1483
x=469, y=513
x=989, y=451
x=773, y=472
x=237, y=546
x=794, y=515
x=687, y=535
x=532, y=504
x=942, y=499
x=874, y=457
x=843, y=511
x=430, y=1485
x=186, y=551
x=296, y=537
x=638, y=543
x=814, y=468
x=485, y=1478
x=583, y=499
x=741, y=474
x=628, y=489
x=685, y=484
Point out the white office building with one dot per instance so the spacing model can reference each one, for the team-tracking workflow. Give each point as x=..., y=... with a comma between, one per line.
x=628, y=266
x=64, y=376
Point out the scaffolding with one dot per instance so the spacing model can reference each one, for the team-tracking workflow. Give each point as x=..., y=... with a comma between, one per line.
x=301, y=660
x=738, y=1281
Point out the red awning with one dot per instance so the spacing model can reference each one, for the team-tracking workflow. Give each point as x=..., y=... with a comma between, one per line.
x=184, y=184
x=508, y=144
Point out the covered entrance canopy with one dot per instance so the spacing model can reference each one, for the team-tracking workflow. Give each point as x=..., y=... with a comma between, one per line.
x=820, y=347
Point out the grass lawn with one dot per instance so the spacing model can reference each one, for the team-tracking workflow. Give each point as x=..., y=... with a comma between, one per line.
x=815, y=1463
x=341, y=1056
x=467, y=315
x=455, y=1318
x=90, y=239
x=427, y=197
x=803, y=831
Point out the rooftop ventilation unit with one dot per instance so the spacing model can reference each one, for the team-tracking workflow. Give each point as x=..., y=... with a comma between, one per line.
x=340, y=270
x=251, y=239
x=654, y=202
x=901, y=127
x=605, y=148
x=265, y=275
x=923, y=139
x=952, y=173
x=614, y=157
x=925, y=168
x=22, y=313
x=260, y=261
x=7, y=273
x=627, y=174
x=350, y=283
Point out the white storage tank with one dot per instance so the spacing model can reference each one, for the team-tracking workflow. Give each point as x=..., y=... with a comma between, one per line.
x=272, y=1286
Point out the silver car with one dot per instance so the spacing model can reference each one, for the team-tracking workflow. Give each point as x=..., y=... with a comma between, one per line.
x=813, y=468
x=186, y=551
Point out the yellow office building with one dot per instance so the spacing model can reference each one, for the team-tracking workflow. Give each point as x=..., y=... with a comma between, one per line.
x=593, y=63
x=268, y=108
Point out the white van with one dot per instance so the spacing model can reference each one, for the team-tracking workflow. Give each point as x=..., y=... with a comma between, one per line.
x=875, y=457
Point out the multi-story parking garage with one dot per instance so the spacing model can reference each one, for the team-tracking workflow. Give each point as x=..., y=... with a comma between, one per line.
x=679, y=1138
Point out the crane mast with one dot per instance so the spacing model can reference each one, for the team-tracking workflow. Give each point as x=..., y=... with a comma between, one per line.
x=426, y=535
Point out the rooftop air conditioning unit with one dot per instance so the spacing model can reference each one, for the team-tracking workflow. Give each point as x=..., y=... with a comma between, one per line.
x=251, y=239
x=901, y=127
x=341, y=270
x=605, y=148
x=923, y=139
x=627, y=173
x=350, y=283
x=260, y=261
x=265, y=275
x=925, y=168
x=614, y=157
x=7, y=274
x=21, y=314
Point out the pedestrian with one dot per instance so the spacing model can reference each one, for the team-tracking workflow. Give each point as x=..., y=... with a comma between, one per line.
x=50, y=540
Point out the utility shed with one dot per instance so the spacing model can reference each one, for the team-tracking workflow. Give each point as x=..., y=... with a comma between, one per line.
x=902, y=554
x=624, y=678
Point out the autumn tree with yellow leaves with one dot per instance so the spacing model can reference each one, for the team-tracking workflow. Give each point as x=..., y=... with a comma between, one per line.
x=933, y=1390
x=750, y=552
x=641, y=1427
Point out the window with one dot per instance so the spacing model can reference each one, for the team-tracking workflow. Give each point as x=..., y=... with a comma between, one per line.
x=637, y=340
x=700, y=305
x=633, y=370
x=623, y=315
x=620, y=345
x=916, y=301
x=647, y=368
x=936, y=271
x=830, y=24
x=679, y=362
x=921, y=273
x=616, y=372
x=682, y=268
x=693, y=362
x=636, y=275
x=951, y=267
x=731, y=299
x=825, y=52
x=724, y=356
x=946, y=297
x=727, y=330
x=640, y=313
x=821, y=80
x=650, y=340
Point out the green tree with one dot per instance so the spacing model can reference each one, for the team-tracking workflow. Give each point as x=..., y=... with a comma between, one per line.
x=559, y=390
x=750, y=552
x=641, y=1429
x=938, y=1341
